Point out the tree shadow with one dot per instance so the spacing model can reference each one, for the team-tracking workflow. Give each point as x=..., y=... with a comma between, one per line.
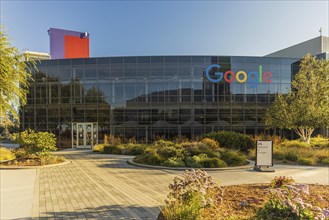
x=106, y=212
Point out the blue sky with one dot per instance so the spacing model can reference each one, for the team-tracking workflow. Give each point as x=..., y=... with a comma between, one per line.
x=127, y=28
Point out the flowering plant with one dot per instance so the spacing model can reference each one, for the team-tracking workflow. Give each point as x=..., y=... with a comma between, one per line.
x=287, y=203
x=190, y=194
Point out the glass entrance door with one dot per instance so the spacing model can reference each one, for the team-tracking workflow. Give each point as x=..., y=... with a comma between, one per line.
x=84, y=135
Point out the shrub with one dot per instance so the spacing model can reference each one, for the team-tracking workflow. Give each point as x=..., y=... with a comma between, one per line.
x=191, y=194
x=163, y=143
x=38, y=143
x=174, y=162
x=196, y=148
x=232, y=140
x=291, y=154
x=6, y=154
x=210, y=143
x=99, y=148
x=133, y=149
x=212, y=162
x=233, y=157
x=191, y=148
x=281, y=181
x=112, y=149
x=192, y=162
x=311, y=161
x=295, y=143
x=150, y=157
x=169, y=151
x=204, y=149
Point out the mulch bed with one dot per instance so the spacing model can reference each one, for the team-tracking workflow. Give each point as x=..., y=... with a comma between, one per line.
x=243, y=201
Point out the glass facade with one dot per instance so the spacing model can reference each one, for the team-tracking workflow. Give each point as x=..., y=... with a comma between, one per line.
x=149, y=96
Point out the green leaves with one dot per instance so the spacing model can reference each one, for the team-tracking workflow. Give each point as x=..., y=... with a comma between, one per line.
x=14, y=77
x=306, y=106
x=38, y=143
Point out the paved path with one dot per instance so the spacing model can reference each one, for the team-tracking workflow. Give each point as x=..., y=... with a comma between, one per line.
x=97, y=186
x=16, y=193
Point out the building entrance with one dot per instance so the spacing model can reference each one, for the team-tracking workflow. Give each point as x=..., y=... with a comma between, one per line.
x=84, y=135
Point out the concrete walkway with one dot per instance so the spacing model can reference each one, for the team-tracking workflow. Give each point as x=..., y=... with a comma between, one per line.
x=97, y=186
x=16, y=193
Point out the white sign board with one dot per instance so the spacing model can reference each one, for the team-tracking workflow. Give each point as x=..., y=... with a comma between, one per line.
x=264, y=152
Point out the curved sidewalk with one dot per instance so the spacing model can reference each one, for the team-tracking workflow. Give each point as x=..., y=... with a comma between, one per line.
x=98, y=186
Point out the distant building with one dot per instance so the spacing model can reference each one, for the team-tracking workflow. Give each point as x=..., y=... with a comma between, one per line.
x=68, y=44
x=146, y=97
x=33, y=55
x=315, y=46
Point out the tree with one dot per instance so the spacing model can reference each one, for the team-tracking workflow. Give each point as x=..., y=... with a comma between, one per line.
x=14, y=77
x=306, y=106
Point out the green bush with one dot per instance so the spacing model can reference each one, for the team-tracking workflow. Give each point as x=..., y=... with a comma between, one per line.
x=164, y=143
x=112, y=149
x=196, y=148
x=6, y=154
x=192, y=162
x=36, y=143
x=311, y=161
x=191, y=148
x=169, y=151
x=233, y=157
x=133, y=149
x=232, y=140
x=204, y=149
x=173, y=162
x=150, y=157
x=211, y=143
x=212, y=163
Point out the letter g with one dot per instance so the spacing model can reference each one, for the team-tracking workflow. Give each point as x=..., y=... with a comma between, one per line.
x=219, y=74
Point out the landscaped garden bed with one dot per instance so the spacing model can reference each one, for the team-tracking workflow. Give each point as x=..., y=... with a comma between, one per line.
x=219, y=149
x=196, y=196
x=34, y=150
x=206, y=153
x=296, y=152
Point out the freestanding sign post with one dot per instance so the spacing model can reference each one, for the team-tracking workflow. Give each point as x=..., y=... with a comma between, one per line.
x=264, y=156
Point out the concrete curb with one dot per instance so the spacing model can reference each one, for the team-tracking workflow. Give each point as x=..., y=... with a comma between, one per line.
x=250, y=165
x=34, y=167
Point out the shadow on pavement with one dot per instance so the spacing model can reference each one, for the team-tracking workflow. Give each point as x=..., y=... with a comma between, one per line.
x=106, y=212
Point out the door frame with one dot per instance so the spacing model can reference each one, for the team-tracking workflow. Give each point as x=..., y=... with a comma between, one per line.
x=76, y=133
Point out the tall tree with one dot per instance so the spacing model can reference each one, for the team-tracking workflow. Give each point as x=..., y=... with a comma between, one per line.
x=14, y=78
x=306, y=106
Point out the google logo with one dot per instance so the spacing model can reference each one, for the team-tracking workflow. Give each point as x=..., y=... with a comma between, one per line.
x=253, y=77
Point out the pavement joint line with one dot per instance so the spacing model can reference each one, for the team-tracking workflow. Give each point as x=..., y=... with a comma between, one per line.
x=128, y=185
x=104, y=190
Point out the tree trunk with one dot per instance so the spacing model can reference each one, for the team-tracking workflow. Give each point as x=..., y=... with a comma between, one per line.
x=304, y=133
